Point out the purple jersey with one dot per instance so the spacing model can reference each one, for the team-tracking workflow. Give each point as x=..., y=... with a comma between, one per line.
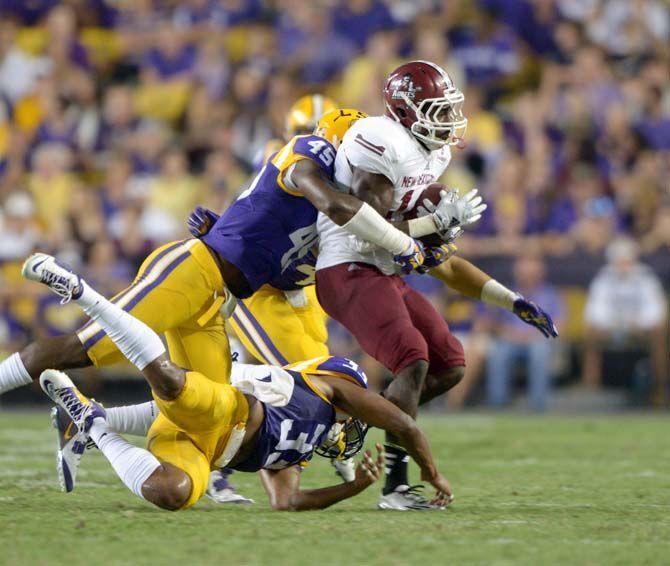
x=270, y=228
x=289, y=434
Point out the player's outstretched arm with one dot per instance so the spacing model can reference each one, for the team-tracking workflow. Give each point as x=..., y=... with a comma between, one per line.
x=469, y=280
x=374, y=410
x=283, y=486
x=462, y=276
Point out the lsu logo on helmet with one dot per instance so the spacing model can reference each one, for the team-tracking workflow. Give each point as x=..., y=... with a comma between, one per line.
x=334, y=124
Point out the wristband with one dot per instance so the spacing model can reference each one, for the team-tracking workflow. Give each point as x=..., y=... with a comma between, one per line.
x=423, y=226
x=494, y=293
x=368, y=225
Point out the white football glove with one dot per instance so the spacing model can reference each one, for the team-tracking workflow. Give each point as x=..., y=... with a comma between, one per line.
x=455, y=211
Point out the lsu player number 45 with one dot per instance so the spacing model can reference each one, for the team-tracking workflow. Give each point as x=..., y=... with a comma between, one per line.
x=270, y=231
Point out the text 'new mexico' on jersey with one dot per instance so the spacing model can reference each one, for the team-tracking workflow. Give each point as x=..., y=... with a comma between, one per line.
x=270, y=227
x=290, y=433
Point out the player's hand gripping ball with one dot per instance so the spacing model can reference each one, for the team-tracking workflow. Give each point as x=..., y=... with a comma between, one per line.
x=426, y=205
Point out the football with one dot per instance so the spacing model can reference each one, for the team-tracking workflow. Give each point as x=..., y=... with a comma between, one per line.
x=422, y=206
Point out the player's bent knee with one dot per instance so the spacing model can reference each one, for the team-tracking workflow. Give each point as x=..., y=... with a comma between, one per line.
x=438, y=384
x=449, y=379
x=454, y=376
x=168, y=488
x=166, y=379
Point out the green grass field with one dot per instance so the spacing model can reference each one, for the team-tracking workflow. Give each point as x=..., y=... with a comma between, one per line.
x=556, y=490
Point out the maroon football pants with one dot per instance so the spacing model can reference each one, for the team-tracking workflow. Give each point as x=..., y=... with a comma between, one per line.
x=392, y=322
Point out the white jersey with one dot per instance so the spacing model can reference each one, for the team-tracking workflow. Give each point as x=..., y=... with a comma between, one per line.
x=378, y=145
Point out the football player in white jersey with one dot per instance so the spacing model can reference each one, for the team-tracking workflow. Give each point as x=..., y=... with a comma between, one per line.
x=388, y=161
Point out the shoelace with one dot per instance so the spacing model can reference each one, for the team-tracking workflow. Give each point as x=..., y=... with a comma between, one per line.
x=73, y=405
x=61, y=285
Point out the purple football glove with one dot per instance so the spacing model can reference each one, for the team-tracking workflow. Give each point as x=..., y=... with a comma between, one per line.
x=436, y=255
x=531, y=314
x=201, y=220
x=411, y=260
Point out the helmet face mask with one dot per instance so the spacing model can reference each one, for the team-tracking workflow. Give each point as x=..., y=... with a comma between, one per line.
x=422, y=97
x=345, y=439
x=442, y=123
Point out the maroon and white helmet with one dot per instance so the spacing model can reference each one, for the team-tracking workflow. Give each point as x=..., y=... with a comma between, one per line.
x=422, y=97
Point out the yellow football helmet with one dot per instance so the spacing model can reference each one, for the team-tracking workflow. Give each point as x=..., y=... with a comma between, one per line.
x=305, y=113
x=334, y=124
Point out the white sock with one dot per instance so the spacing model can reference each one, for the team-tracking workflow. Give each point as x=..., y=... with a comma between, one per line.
x=13, y=374
x=132, y=419
x=132, y=464
x=136, y=340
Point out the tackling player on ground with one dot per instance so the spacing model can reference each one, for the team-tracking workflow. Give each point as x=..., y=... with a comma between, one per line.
x=275, y=425
x=388, y=161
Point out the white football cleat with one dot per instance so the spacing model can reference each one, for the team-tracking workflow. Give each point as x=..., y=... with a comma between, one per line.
x=71, y=446
x=46, y=269
x=345, y=468
x=220, y=490
x=406, y=498
x=72, y=418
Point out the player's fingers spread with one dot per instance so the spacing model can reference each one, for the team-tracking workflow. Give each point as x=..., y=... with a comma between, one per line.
x=475, y=201
x=469, y=196
x=446, y=498
x=440, y=500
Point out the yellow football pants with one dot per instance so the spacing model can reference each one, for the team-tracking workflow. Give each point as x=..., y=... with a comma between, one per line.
x=178, y=291
x=192, y=430
x=277, y=333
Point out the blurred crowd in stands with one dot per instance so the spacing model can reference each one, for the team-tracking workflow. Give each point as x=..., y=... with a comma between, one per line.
x=118, y=116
